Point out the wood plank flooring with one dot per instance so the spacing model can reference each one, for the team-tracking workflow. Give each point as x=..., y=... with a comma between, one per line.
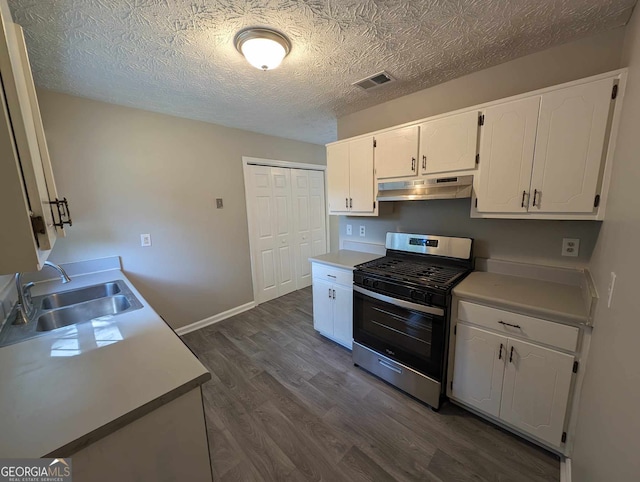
x=285, y=403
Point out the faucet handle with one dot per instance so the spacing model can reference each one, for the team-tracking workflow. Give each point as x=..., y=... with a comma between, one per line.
x=26, y=294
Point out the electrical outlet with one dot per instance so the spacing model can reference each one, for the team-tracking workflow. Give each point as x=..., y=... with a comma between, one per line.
x=362, y=231
x=570, y=247
x=612, y=285
x=145, y=240
x=219, y=204
x=349, y=230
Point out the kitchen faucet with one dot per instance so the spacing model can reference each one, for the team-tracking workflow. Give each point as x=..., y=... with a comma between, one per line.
x=25, y=308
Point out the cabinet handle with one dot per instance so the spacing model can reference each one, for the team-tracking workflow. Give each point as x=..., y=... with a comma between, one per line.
x=511, y=356
x=346, y=202
x=334, y=294
x=524, y=193
x=331, y=276
x=500, y=353
x=350, y=203
x=424, y=162
x=535, y=195
x=509, y=324
x=329, y=293
x=413, y=163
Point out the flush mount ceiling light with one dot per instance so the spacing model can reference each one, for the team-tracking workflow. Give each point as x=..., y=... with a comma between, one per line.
x=264, y=48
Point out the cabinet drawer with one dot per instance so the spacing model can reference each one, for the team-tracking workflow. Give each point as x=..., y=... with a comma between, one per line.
x=525, y=327
x=335, y=275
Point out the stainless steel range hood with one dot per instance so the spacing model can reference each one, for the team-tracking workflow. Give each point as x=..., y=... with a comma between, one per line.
x=423, y=189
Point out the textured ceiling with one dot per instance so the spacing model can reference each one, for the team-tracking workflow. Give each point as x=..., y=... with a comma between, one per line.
x=177, y=56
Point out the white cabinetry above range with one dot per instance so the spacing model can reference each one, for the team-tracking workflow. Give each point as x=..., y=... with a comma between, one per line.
x=546, y=154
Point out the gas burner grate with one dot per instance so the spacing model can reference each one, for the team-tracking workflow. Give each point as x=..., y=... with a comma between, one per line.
x=415, y=271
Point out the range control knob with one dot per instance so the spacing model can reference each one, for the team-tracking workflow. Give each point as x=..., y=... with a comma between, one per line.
x=418, y=295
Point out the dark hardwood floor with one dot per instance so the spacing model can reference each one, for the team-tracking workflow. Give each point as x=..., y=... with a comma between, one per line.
x=285, y=403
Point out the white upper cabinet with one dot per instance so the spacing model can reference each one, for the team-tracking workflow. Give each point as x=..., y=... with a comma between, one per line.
x=338, y=177
x=570, y=148
x=543, y=156
x=27, y=186
x=506, y=154
x=350, y=178
x=449, y=144
x=361, y=176
x=397, y=153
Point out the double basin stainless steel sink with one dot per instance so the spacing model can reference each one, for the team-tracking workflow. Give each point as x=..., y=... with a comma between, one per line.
x=66, y=308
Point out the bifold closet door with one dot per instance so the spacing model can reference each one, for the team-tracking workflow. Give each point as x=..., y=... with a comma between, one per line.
x=309, y=218
x=272, y=231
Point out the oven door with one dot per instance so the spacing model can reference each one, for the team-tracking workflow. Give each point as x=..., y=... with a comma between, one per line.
x=411, y=333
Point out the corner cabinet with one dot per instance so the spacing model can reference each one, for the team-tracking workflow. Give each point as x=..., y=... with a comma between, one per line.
x=33, y=217
x=516, y=369
x=350, y=178
x=333, y=303
x=543, y=156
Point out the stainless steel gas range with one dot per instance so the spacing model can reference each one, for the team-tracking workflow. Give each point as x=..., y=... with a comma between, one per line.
x=401, y=309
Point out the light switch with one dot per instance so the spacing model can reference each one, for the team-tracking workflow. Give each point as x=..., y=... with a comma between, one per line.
x=219, y=203
x=349, y=229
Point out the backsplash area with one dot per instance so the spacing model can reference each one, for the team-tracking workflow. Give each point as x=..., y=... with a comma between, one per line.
x=527, y=241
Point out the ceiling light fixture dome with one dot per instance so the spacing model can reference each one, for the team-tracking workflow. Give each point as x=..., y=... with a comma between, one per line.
x=264, y=48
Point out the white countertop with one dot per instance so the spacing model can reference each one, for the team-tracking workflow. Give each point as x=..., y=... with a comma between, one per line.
x=344, y=258
x=554, y=301
x=82, y=379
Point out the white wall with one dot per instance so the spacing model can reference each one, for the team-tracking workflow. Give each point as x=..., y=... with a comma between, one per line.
x=608, y=433
x=524, y=241
x=126, y=172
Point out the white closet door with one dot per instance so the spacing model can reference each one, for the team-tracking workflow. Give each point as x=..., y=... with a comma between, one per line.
x=317, y=213
x=262, y=208
x=569, y=148
x=506, y=156
x=284, y=232
x=302, y=225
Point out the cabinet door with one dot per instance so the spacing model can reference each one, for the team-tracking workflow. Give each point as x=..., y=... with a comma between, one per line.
x=570, y=148
x=338, y=178
x=396, y=153
x=323, y=306
x=478, y=368
x=343, y=315
x=361, y=178
x=536, y=390
x=449, y=144
x=506, y=156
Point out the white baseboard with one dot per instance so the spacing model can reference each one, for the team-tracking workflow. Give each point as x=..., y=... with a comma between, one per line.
x=183, y=330
x=565, y=470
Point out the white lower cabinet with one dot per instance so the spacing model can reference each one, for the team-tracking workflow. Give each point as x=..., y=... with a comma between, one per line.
x=535, y=390
x=479, y=368
x=523, y=384
x=333, y=303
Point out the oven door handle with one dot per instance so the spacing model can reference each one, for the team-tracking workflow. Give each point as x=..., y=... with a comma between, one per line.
x=401, y=303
